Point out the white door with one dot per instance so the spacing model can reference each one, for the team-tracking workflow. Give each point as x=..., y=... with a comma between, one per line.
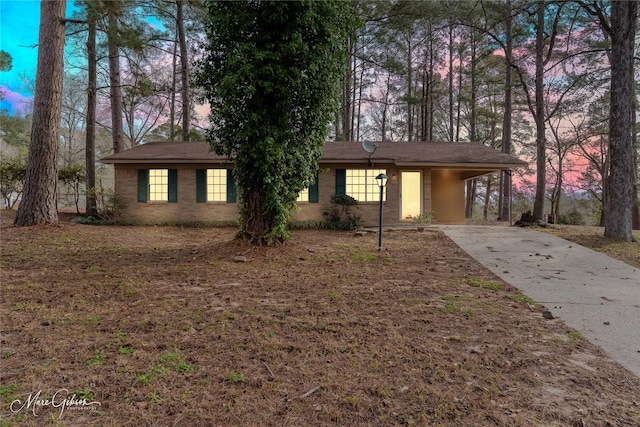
x=410, y=194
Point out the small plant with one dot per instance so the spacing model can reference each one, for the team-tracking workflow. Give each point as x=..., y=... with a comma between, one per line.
x=575, y=338
x=182, y=367
x=108, y=204
x=126, y=350
x=524, y=298
x=453, y=305
x=338, y=215
x=90, y=320
x=423, y=218
x=6, y=392
x=171, y=357
x=161, y=370
x=96, y=360
x=7, y=354
x=154, y=397
x=235, y=377
x=87, y=394
x=144, y=379
x=486, y=284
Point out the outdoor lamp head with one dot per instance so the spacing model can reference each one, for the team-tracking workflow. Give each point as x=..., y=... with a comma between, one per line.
x=382, y=180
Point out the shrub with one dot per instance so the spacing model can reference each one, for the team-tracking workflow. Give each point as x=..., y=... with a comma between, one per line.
x=13, y=171
x=423, y=218
x=73, y=176
x=571, y=218
x=108, y=203
x=338, y=215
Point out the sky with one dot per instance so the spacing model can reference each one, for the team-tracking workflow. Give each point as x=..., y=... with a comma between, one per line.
x=19, y=22
x=19, y=27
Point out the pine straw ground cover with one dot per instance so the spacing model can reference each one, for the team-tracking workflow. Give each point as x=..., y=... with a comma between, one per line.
x=593, y=238
x=163, y=328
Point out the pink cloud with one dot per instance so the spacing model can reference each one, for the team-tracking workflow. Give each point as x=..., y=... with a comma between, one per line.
x=15, y=102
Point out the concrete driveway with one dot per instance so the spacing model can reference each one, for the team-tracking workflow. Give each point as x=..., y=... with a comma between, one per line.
x=593, y=293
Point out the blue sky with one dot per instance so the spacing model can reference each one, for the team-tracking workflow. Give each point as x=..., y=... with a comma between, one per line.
x=19, y=26
x=19, y=22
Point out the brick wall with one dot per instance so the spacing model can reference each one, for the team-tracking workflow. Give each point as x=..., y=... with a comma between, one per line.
x=186, y=209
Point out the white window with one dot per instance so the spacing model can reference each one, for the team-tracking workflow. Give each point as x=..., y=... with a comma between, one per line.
x=159, y=185
x=304, y=195
x=216, y=185
x=361, y=184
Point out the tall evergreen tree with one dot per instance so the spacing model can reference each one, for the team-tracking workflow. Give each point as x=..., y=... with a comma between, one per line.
x=618, y=217
x=39, y=199
x=90, y=137
x=271, y=73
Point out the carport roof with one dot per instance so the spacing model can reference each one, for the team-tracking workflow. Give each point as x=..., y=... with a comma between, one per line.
x=434, y=154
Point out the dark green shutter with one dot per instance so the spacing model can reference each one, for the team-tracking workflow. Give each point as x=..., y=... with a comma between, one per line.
x=143, y=185
x=201, y=185
x=231, y=187
x=341, y=182
x=173, y=186
x=313, y=191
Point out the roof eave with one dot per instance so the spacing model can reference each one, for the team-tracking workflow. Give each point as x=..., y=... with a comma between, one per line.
x=161, y=161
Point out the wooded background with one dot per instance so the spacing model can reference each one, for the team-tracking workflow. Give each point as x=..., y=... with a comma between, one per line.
x=529, y=77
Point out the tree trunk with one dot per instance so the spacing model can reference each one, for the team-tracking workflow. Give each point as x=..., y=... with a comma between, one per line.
x=487, y=199
x=172, y=101
x=471, y=184
x=431, y=101
x=39, y=203
x=409, y=92
x=635, y=217
x=360, y=89
x=184, y=72
x=115, y=88
x=90, y=142
x=538, y=204
x=450, y=82
x=619, y=203
x=346, y=133
x=605, y=190
x=255, y=223
x=471, y=197
x=505, y=191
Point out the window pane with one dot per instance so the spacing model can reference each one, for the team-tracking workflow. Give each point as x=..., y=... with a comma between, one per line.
x=304, y=195
x=361, y=184
x=158, y=185
x=216, y=185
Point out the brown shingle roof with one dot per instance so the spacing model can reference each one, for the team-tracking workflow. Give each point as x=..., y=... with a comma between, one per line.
x=399, y=153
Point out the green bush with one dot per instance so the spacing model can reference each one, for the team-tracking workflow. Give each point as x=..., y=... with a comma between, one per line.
x=571, y=218
x=338, y=215
x=108, y=203
x=13, y=171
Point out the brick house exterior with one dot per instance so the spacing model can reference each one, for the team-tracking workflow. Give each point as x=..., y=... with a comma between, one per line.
x=438, y=172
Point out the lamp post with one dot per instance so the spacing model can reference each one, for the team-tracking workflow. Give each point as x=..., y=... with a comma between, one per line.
x=381, y=179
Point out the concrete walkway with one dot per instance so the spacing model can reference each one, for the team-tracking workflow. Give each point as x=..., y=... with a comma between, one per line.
x=593, y=293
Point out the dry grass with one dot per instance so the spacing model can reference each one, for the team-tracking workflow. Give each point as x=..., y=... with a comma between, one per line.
x=593, y=238
x=163, y=328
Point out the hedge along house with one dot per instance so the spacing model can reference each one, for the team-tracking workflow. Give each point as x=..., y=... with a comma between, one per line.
x=184, y=181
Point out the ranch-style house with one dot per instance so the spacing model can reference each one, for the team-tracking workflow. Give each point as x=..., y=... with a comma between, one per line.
x=185, y=181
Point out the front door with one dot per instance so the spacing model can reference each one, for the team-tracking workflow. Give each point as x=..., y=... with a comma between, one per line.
x=410, y=194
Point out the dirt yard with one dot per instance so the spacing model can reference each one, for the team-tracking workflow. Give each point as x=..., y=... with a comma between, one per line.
x=164, y=326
